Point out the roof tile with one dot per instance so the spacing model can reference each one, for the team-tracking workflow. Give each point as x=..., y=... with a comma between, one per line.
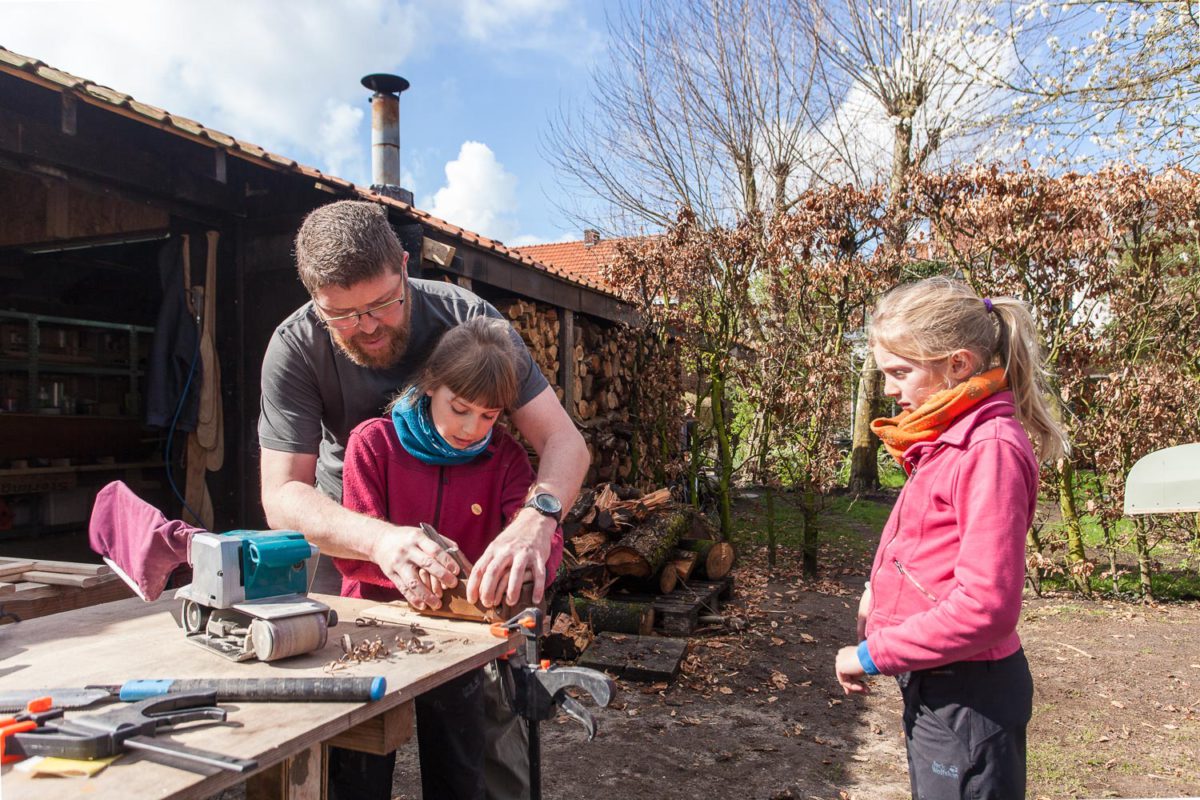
x=59, y=77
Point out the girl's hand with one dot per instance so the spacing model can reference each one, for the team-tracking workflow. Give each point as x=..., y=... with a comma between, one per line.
x=864, y=608
x=850, y=673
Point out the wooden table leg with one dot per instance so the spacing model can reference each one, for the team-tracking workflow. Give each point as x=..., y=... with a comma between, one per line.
x=301, y=777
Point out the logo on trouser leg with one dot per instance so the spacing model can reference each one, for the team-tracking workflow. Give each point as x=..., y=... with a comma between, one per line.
x=945, y=771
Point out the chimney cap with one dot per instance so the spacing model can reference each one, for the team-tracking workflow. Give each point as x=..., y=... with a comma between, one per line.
x=385, y=83
x=591, y=237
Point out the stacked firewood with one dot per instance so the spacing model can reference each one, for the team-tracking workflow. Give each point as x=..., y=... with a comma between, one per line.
x=624, y=548
x=602, y=380
x=538, y=325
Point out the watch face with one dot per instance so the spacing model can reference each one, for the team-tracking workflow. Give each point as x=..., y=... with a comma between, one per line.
x=547, y=503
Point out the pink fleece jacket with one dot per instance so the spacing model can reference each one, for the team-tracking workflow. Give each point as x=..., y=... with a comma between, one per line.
x=469, y=503
x=947, y=579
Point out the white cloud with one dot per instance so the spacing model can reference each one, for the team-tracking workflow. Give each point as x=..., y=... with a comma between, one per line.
x=284, y=76
x=479, y=195
x=555, y=26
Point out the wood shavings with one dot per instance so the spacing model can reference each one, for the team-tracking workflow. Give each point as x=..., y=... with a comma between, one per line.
x=365, y=650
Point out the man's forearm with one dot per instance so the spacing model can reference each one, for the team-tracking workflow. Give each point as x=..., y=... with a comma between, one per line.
x=562, y=466
x=337, y=531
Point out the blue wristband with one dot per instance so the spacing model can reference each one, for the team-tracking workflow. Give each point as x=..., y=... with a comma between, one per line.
x=864, y=658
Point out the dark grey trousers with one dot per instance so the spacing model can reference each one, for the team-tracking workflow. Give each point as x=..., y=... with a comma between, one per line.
x=450, y=744
x=964, y=726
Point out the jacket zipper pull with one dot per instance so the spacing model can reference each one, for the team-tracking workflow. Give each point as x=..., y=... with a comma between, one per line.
x=908, y=576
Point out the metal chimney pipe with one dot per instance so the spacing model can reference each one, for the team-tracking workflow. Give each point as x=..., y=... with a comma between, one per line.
x=385, y=134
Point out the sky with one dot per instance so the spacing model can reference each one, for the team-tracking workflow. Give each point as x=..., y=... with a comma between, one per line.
x=487, y=77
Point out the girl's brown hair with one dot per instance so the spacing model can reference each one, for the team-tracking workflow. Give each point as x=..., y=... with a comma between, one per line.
x=477, y=360
x=930, y=319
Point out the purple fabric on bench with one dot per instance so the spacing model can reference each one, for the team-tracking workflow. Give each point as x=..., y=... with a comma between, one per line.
x=138, y=538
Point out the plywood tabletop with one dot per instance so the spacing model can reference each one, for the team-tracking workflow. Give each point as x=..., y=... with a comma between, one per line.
x=130, y=639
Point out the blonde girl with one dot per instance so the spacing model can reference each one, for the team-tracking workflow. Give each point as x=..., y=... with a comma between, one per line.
x=941, y=607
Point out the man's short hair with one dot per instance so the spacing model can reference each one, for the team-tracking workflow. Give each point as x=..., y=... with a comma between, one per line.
x=344, y=243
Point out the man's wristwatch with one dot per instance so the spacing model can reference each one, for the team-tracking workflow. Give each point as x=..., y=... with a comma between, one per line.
x=546, y=504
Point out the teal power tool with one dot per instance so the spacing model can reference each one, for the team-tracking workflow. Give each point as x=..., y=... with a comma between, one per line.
x=249, y=596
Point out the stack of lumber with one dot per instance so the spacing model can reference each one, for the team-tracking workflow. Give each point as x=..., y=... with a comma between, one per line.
x=35, y=588
x=637, y=562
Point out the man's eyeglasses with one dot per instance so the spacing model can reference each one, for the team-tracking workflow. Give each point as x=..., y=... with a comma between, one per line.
x=348, y=321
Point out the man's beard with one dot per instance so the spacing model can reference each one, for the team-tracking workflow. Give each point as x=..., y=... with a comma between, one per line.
x=375, y=359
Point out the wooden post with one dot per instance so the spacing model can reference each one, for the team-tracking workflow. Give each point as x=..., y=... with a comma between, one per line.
x=566, y=360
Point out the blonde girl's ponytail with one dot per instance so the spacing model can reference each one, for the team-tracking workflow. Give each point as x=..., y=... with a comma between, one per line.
x=930, y=319
x=1019, y=347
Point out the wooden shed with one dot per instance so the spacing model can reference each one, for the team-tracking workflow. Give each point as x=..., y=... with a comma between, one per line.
x=97, y=194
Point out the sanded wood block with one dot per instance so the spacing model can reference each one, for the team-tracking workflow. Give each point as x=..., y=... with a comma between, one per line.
x=635, y=658
x=381, y=734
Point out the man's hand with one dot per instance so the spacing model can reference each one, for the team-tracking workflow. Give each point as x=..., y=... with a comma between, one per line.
x=864, y=608
x=521, y=549
x=419, y=568
x=850, y=673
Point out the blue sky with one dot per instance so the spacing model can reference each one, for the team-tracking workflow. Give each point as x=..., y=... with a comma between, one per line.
x=487, y=76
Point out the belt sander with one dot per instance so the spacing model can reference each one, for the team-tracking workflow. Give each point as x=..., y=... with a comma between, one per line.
x=248, y=596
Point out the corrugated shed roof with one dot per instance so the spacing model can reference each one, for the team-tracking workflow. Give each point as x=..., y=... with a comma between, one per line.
x=35, y=71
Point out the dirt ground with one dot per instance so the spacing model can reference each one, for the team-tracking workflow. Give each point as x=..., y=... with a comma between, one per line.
x=758, y=713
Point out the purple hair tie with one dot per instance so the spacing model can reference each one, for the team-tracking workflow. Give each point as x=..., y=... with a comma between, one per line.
x=987, y=304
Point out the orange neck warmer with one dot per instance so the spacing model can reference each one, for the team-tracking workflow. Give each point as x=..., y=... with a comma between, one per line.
x=934, y=416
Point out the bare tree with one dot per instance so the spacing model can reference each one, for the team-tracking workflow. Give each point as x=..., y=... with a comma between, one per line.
x=698, y=107
x=899, y=95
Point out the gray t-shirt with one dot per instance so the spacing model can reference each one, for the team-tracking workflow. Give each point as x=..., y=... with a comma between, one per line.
x=313, y=395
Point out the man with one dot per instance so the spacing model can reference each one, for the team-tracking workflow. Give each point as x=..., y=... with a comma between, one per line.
x=335, y=362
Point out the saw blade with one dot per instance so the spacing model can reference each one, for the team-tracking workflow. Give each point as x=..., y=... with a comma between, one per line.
x=62, y=698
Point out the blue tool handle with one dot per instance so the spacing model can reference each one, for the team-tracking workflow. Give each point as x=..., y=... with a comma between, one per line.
x=288, y=690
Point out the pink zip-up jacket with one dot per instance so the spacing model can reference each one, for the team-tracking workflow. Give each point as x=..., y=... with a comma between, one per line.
x=469, y=503
x=947, y=579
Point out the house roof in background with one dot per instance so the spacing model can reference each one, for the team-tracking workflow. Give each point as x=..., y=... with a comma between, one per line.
x=35, y=71
x=584, y=261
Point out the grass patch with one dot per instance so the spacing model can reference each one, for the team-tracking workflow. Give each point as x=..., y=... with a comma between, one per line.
x=1053, y=770
x=1171, y=586
x=846, y=522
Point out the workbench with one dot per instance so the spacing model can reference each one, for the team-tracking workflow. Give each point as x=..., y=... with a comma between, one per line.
x=131, y=639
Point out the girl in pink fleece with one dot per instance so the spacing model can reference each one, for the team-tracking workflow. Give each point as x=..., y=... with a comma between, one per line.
x=940, y=609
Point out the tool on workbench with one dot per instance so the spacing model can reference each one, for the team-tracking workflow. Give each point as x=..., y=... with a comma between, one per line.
x=541, y=688
x=129, y=728
x=35, y=712
x=228, y=690
x=248, y=595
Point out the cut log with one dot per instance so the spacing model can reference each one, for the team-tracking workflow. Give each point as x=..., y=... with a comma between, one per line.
x=668, y=579
x=684, y=562
x=608, y=615
x=714, y=559
x=590, y=544
x=642, y=551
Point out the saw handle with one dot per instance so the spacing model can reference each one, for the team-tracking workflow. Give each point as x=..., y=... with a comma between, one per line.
x=233, y=690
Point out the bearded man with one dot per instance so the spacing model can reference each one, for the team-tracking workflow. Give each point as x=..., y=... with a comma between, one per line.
x=335, y=362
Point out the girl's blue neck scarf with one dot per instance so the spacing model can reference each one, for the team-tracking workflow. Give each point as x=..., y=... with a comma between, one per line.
x=414, y=426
